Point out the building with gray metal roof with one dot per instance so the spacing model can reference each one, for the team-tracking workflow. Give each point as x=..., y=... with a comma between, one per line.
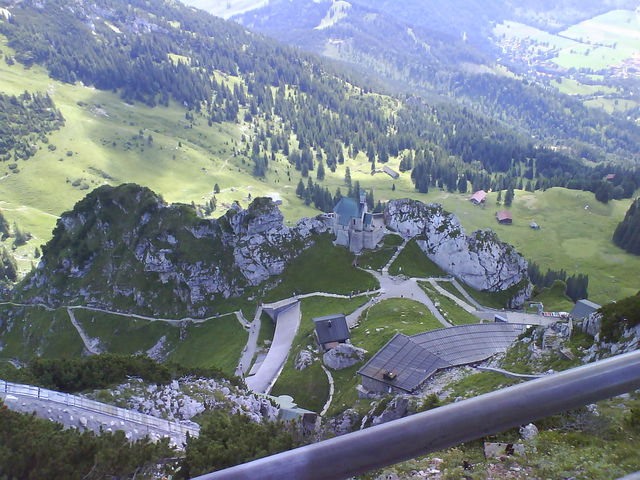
x=331, y=330
x=405, y=363
x=583, y=308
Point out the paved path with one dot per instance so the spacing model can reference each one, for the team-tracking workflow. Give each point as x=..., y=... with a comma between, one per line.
x=286, y=327
x=385, y=269
x=464, y=293
x=451, y=296
x=252, y=343
x=325, y=409
x=91, y=344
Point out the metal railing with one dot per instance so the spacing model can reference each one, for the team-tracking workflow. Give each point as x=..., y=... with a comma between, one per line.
x=410, y=437
x=69, y=400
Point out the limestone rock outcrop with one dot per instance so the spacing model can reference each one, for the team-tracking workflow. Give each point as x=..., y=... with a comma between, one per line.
x=344, y=355
x=480, y=260
x=124, y=248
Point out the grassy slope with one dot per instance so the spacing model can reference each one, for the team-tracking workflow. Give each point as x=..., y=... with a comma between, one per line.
x=47, y=334
x=449, y=309
x=376, y=259
x=554, y=299
x=217, y=342
x=413, y=262
x=322, y=268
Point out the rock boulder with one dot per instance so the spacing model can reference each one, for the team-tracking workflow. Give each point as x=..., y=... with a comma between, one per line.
x=343, y=356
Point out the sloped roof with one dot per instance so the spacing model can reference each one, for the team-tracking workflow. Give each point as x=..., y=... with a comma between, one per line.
x=346, y=209
x=504, y=215
x=332, y=328
x=479, y=196
x=414, y=359
x=583, y=308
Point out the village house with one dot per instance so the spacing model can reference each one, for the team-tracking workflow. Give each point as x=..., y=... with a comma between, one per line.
x=391, y=172
x=479, y=197
x=354, y=227
x=504, y=217
x=331, y=331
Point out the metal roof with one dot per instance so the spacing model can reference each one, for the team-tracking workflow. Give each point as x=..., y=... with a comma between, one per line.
x=584, y=308
x=504, y=215
x=346, y=209
x=332, y=328
x=479, y=196
x=414, y=359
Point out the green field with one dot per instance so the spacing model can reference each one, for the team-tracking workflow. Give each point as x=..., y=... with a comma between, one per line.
x=554, y=299
x=449, y=309
x=378, y=258
x=413, y=262
x=322, y=268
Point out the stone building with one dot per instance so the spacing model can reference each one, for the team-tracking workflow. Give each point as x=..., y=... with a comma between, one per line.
x=354, y=227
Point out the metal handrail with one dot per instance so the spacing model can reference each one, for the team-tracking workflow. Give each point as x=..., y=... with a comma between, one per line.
x=409, y=437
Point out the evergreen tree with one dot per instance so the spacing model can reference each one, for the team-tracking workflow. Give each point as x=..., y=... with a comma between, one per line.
x=627, y=233
x=508, y=198
x=300, y=189
x=347, y=177
x=216, y=189
x=499, y=199
x=320, y=172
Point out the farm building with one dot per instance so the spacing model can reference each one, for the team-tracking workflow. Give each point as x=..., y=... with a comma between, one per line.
x=479, y=197
x=405, y=363
x=331, y=330
x=534, y=225
x=391, y=172
x=354, y=227
x=504, y=217
x=583, y=308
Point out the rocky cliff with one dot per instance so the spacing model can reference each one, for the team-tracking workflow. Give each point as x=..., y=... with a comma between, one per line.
x=480, y=260
x=124, y=248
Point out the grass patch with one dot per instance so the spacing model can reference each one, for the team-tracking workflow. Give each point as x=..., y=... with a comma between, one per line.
x=413, y=262
x=322, y=267
x=495, y=300
x=267, y=330
x=28, y=332
x=449, y=309
x=378, y=258
x=480, y=383
x=310, y=387
x=215, y=343
x=554, y=298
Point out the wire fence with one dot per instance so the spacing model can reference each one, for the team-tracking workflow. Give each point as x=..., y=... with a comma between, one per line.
x=150, y=422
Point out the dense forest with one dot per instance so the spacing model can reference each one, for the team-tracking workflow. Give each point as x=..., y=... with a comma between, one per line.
x=26, y=120
x=627, y=233
x=303, y=107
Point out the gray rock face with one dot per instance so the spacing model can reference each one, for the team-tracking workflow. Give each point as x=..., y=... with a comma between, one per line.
x=528, y=432
x=303, y=360
x=481, y=260
x=182, y=400
x=591, y=325
x=396, y=408
x=343, y=356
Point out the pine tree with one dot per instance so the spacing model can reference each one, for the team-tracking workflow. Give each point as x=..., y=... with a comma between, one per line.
x=499, y=199
x=347, y=177
x=216, y=189
x=300, y=189
x=320, y=172
x=508, y=198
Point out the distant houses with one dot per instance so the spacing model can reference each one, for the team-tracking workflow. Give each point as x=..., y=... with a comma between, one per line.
x=479, y=197
x=331, y=331
x=504, y=217
x=354, y=227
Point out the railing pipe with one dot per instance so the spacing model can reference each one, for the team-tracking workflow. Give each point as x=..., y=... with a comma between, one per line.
x=409, y=437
